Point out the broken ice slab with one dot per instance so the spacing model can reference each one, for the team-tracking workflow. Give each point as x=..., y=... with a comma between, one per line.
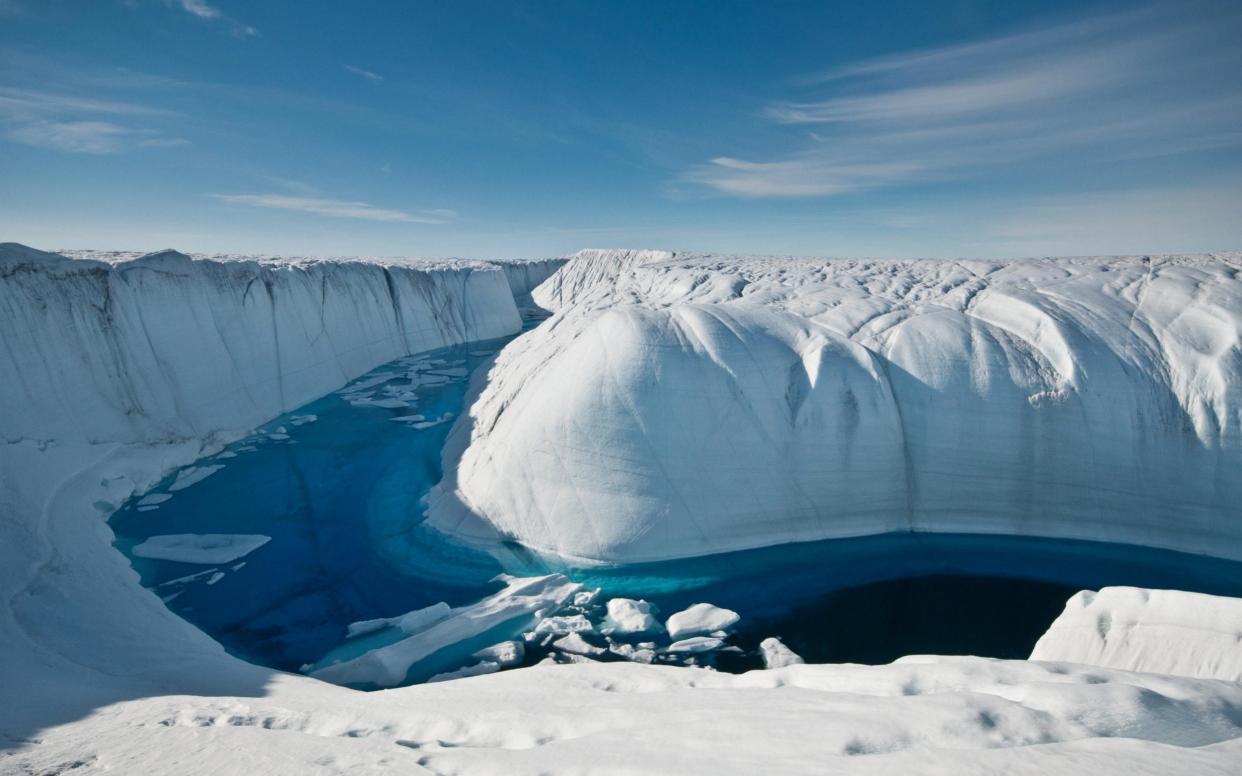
x=449, y=643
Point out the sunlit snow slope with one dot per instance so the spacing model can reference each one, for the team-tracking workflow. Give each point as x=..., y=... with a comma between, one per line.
x=680, y=405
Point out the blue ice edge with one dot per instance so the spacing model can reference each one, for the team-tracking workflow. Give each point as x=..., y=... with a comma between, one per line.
x=337, y=485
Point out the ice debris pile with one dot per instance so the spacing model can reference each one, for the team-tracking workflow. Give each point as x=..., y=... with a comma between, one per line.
x=531, y=620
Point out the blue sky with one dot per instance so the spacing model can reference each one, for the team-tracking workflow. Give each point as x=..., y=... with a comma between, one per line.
x=511, y=129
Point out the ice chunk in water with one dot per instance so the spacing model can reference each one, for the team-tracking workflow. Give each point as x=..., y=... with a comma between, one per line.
x=696, y=644
x=560, y=626
x=410, y=622
x=627, y=616
x=200, y=548
x=190, y=476
x=450, y=641
x=699, y=619
x=574, y=644
x=506, y=654
x=776, y=654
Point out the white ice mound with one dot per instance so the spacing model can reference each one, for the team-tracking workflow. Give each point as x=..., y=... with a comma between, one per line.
x=629, y=617
x=777, y=655
x=1157, y=631
x=686, y=405
x=500, y=616
x=700, y=619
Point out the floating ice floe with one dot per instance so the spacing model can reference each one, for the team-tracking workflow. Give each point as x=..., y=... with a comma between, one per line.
x=445, y=418
x=696, y=644
x=627, y=616
x=151, y=499
x=366, y=383
x=408, y=418
x=562, y=625
x=505, y=614
x=575, y=644
x=700, y=619
x=191, y=476
x=188, y=578
x=506, y=654
x=200, y=548
x=410, y=622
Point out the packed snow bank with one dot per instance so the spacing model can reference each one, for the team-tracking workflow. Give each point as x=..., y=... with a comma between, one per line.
x=723, y=403
x=919, y=715
x=1158, y=631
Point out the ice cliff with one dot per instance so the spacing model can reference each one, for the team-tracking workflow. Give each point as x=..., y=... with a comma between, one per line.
x=680, y=405
x=164, y=347
x=116, y=368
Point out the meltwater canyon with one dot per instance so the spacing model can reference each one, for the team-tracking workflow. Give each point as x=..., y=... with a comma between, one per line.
x=618, y=511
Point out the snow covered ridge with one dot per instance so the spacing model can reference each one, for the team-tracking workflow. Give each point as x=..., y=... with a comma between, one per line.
x=717, y=403
x=163, y=347
x=1155, y=631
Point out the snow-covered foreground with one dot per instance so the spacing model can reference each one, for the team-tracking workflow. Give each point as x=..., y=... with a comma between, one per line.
x=116, y=373
x=921, y=715
x=687, y=405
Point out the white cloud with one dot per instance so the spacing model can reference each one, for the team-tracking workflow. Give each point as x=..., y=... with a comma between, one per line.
x=76, y=124
x=367, y=74
x=205, y=10
x=16, y=102
x=87, y=137
x=337, y=208
x=1127, y=86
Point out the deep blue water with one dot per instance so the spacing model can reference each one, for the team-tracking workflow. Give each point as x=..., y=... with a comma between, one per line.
x=340, y=497
x=341, y=500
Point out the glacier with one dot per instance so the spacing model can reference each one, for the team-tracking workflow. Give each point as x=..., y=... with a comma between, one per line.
x=118, y=370
x=678, y=405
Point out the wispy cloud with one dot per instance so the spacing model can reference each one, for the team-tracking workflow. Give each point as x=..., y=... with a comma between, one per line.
x=1143, y=83
x=367, y=74
x=36, y=102
x=338, y=208
x=88, y=137
x=209, y=12
x=76, y=124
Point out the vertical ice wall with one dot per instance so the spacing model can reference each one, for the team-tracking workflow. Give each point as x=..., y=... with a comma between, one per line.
x=111, y=373
x=680, y=405
x=165, y=347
